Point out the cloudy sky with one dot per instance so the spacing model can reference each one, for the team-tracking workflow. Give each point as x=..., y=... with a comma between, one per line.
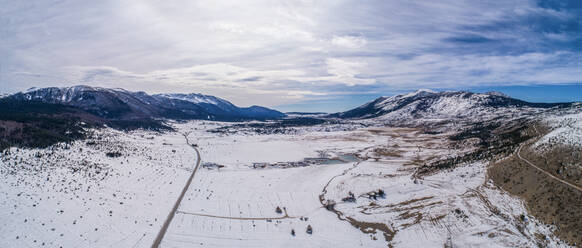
x=295, y=55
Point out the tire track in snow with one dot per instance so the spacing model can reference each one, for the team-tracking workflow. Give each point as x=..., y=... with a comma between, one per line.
x=241, y=218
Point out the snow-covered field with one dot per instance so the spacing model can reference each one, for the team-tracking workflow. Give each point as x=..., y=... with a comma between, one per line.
x=235, y=206
x=80, y=197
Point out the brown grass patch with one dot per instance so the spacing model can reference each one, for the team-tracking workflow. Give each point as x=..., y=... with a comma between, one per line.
x=546, y=198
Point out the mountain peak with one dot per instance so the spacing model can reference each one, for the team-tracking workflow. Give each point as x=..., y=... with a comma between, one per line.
x=419, y=93
x=496, y=93
x=31, y=89
x=425, y=90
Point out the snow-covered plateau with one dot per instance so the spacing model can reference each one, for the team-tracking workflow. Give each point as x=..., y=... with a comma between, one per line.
x=316, y=187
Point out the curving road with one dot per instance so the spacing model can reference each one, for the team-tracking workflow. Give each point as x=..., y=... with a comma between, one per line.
x=162, y=232
x=544, y=171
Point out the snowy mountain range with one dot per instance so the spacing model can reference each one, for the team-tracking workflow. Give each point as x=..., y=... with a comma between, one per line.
x=123, y=104
x=419, y=106
x=427, y=105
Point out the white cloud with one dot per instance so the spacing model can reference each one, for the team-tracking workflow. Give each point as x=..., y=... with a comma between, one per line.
x=241, y=85
x=277, y=52
x=346, y=72
x=349, y=41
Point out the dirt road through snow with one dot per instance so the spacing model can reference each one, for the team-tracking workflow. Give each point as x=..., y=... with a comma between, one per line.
x=544, y=171
x=162, y=232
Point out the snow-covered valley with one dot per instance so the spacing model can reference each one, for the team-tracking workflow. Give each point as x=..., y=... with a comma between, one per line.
x=352, y=187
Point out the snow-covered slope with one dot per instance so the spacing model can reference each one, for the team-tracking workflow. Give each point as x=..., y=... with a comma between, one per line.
x=431, y=105
x=199, y=98
x=103, y=102
x=567, y=130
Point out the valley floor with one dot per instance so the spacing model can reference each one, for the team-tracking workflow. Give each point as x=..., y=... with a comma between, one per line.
x=116, y=189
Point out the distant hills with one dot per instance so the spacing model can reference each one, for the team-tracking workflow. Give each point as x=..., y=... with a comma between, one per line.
x=42, y=116
x=121, y=104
